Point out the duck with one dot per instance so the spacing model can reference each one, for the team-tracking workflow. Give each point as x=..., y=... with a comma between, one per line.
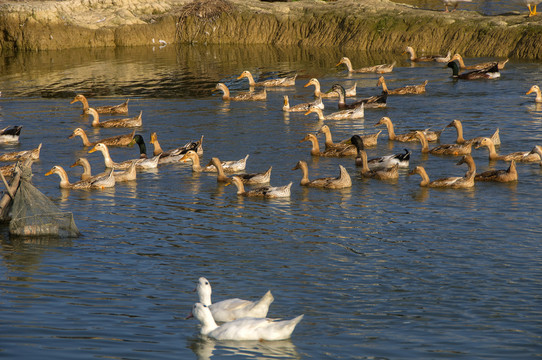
x=538, y=93
x=501, y=175
x=120, y=109
x=245, y=96
x=115, y=123
x=460, y=140
x=379, y=69
x=532, y=3
x=382, y=173
x=98, y=183
x=431, y=136
x=488, y=73
x=518, y=156
x=303, y=106
x=280, y=82
x=445, y=149
x=244, y=329
x=454, y=182
x=122, y=175
x=350, y=92
x=119, y=140
x=268, y=192
x=356, y=113
x=382, y=162
x=174, y=155
x=438, y=58
x=228, y=166
x=537, y=149
x=329, y=152
x=408, y=89
x=250, y=179
x=453, y=3
x=141, y=163
x=232, y=309
x=480, y=66
x=10, y=134
x=340, y=182
x=146, y=162
x=33, y=155
x=377, y=101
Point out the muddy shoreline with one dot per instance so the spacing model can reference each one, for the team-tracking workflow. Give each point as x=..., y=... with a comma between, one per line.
x=372, y=25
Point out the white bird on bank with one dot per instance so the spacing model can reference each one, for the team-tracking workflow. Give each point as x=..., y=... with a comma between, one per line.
x=231, y=309
x=249, y=328
x=453, y=3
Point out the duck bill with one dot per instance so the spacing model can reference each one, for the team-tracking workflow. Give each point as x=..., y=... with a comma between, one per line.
x=49, y=172
x=74, y=164
x=307, y=84
x=92, y=150
x=528, y=92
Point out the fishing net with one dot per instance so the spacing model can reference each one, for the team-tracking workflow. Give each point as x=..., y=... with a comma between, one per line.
x=33, y=214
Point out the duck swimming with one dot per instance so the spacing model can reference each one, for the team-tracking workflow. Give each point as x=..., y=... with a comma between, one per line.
x=379, y=69
x=431, y=136
x=518, y=156
x=382, y=162
x=122, y=175
x=454, y=182
x=280, y=82
x=174, y=155
x=340, y=182
x=350, y=92
x=228, y=166
x=232, y=309
x=244, y=329
x=480, y=66
x=33, y=155
x=10, y=134
x=250, y=179
x=460, y=140
x=120, y=109
x=408, y=89
x=356, y=113
x=538, y=93
x=303, y=106
x=268, y=192
x=445, y=149
x=328, y=152
x=98, y=183
x=119, y=140
x=438, y=58
x=453, y=3
x=245, y=96
x=115, y=123
x=488, y=73
x=377, y=101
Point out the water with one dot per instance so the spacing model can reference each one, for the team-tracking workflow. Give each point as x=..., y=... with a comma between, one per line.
x=484, y=7
x=382, y=270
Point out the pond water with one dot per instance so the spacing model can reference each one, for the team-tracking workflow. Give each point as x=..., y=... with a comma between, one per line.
x=484, y=7
x=381, y=270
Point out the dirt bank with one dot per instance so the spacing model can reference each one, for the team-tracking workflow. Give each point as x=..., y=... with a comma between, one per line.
x=375, y=25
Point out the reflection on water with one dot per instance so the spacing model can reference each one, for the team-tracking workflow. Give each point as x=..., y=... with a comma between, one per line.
x=205, y=348
x=378, y=270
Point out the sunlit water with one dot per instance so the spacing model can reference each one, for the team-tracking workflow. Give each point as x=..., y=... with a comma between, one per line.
x=381, y=270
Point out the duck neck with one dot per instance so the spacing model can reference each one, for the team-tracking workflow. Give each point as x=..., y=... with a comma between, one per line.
x=250, y=78
x=492, y=152
x=364, y=162
x=382, y=82
x=225, y=91
x=320, y=113
x=84, y=137
x=196, y=166
x=342, y=96
x=425, y=177
x=84, y=102
x=423, y=140
x=472, y=166
x=157, y=148
x=240, y=187
x=220, y=176
x=329, y=138
x=208, y=324
x=87, y=171
x=315, y=146
x=64, y=181
x=317, y=90
x=391, y=130
x=107, y=158
x=204, y=296
x=348, y=64
x=412, y=54
x=459, y=128
x=305, y=179
x=95, y=117
x=460, y=60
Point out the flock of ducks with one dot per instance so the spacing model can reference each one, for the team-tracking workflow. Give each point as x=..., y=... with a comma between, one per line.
x=233, y=172
x=241, y=320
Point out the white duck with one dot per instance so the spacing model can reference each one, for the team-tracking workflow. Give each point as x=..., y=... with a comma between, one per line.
x=244, y=329
x=231, y=309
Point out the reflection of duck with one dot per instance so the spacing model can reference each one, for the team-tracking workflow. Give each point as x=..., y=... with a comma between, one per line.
x=487, y=73
x=10, y=134
x=204, y=347
x=340, y=182
x=536, y=90
x=120, y=109
x=460, y=140
x=379, y=69
x=228, y=166
x=303, y=106
x=350, y=92
x=33, y=155
x=356, y=113
x=115, y=123
x=453, y=3
x=445, y=149
x=407, y=137
x=245, y=96
x=438, y=58
x=454, y=182
x=268, y=192
x=377, y=101
x=231, y=309
x=119, y=140
x=98, y=183
x=480, y=66
x=260, y=329
x=519, y=156
x=284, y=81
x=408, y=89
